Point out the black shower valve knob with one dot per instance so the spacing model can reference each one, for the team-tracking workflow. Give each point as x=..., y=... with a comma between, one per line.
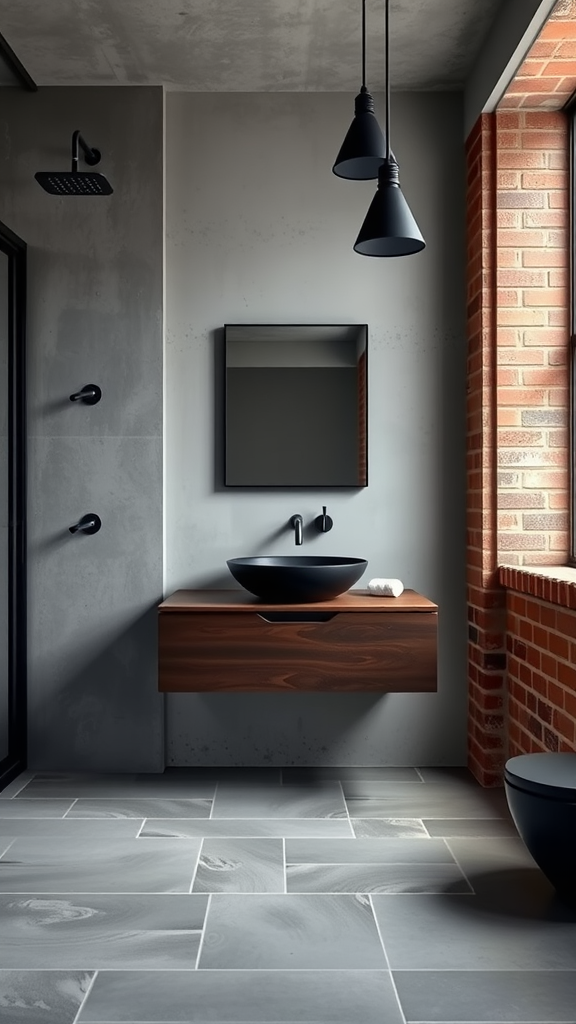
x=324, y=522
x=89, y=394
x=90, y=523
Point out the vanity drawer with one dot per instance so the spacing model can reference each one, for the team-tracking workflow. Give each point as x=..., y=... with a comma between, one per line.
x=346, y=651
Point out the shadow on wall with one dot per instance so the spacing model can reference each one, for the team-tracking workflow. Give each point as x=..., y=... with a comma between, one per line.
x=102, y=713
x=274, y=729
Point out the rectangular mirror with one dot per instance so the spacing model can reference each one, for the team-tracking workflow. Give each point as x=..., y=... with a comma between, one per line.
x=296, y=405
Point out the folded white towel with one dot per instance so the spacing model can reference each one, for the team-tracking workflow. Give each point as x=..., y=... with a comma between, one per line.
x=385, y=588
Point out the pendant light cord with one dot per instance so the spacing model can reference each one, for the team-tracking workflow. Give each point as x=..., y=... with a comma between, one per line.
x=364, y=45
x=387, y=48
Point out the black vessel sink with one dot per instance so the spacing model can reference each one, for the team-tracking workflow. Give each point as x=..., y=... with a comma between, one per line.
x=296, y=578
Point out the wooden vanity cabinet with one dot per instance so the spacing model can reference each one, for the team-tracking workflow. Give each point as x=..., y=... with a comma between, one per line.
x=226, y=641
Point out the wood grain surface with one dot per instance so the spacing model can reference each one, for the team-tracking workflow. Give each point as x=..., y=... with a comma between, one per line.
x=221, y=650
x=241, y=600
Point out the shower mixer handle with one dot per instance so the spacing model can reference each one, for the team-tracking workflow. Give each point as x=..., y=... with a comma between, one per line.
x=89, y=394
x=91, y=156
x=90, y=523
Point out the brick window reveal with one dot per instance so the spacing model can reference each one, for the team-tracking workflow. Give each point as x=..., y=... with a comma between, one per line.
x=532, y=336
x=522, y=646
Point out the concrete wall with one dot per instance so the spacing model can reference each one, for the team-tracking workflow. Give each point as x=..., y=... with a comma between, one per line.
x=260, y=230
x=94, y=316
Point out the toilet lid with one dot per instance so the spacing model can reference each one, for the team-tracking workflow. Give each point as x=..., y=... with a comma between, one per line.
x=551, y=775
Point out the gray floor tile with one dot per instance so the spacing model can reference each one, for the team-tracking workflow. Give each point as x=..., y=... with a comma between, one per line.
x=323, y=800
x=227, y=773
x=16, y=785
x=464, y=933
x=42, y=997
x=243, y=997
x=375, y=878
x=141, y=808
x=83, y=865
x=501, y=870
x=502, y=996
x=314, y=932
x=118, y=787
x=64, y=828
x=240, y=865
x=382, y=827
x=384, y=774
x=134, y=932
x=430, y=800
x=368, y=851
x=327, y=828
x=456, y=774
x=480, y=827
x=34, y=808
x=482, y=854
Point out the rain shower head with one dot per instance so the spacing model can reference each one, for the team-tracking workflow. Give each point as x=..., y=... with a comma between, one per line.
x=75, y=182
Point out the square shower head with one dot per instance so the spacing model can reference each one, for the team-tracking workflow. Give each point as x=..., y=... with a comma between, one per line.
x=74, y=183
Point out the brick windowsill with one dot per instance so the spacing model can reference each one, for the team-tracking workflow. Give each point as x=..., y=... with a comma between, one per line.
x=555, y=583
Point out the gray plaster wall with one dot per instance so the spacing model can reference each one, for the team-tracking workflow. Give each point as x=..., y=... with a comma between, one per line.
x=95, y=315
x=260, y=231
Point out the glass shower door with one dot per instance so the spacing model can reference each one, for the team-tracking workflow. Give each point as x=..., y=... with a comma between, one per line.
x=4, y=508
x=12, y=506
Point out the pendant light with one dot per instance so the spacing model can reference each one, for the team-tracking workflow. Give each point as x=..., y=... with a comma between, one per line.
x=389, y=228
x=363, y=149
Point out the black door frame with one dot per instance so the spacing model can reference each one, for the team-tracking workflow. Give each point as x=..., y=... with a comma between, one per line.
x=15, y=761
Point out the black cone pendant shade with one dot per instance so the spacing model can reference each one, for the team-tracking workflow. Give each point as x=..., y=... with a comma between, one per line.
x=389, y=228
x=364, y=148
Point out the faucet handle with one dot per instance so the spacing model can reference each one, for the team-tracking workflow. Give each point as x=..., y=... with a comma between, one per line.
x=324, y=522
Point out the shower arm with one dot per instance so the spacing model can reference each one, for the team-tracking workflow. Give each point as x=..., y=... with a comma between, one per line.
x=91, y=156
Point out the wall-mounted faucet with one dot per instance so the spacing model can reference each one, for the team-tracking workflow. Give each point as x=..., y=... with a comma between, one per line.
x=297, y=524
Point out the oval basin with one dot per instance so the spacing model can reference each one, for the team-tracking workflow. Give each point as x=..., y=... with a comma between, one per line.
x=296, y=578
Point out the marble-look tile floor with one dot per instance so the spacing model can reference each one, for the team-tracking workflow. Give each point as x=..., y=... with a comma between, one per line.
x=275, y=896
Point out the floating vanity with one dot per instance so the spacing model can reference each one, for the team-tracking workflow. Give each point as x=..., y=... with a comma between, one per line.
x=227, y=640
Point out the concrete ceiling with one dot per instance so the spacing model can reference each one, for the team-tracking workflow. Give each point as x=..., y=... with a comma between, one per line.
x=245, y=45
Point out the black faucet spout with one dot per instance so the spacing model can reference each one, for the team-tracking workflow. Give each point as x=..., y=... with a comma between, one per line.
x=297, y=524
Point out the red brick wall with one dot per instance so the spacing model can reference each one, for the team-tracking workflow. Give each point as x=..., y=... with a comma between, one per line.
x=533, y=300
x=486, y=641
x=541, y=667
x=522, y=688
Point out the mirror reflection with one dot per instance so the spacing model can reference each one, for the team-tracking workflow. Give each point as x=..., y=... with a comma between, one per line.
x=296, y=405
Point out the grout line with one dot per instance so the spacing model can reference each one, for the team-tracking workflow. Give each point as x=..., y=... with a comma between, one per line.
x=284, y=865
x=388, y=967
x=428, y=833
x=67, y=811
x=137, y=836
x=203, y=931
x=80, y=1008
x=195, y=871
x=213, y=800
x=347, y=810
x=419, y=774
x=464, y=875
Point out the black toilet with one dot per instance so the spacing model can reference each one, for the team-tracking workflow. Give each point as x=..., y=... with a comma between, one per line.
x=541, y=794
